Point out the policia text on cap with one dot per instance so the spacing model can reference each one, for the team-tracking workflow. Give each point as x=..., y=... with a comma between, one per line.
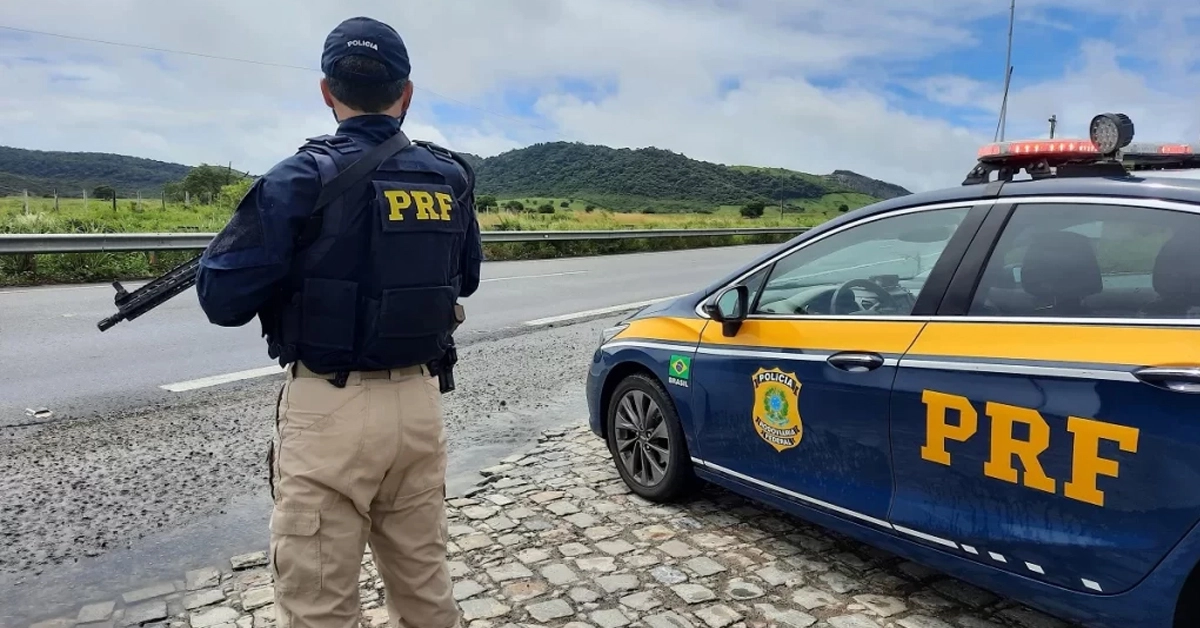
x=353, y=254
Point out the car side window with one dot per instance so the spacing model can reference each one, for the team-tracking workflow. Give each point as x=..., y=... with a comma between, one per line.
x=1093, y=261
x=873, y=269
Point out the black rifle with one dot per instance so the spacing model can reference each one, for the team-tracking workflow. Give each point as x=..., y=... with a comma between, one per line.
x=131, y=305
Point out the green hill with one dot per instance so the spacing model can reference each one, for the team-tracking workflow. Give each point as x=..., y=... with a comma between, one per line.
x=625, y=179
x=41, y=172
x=620, y=179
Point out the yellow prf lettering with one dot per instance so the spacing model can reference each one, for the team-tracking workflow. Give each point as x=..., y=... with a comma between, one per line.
x=1005, y=446
x=445, y=202
x=937, y=430
x=1086, y=463
x=424, y=201
x=398, y=201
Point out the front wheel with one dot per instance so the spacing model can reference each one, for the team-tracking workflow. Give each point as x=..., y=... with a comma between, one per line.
x=646, y=440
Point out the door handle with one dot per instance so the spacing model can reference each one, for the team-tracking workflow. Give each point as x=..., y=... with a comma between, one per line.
x=854, y=362
x=1184, y=379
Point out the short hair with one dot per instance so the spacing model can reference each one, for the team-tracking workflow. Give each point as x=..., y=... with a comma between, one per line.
x=373, y=92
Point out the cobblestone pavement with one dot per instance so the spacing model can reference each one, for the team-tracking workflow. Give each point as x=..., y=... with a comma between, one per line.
x=552, y=537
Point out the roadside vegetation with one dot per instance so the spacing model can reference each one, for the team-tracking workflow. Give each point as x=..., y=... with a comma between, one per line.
x=75, y=215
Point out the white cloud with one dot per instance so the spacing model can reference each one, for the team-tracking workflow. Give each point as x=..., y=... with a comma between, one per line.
x=666, y=59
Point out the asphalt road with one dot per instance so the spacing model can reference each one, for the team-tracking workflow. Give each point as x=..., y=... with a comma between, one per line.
x=54, y=357
x=128, y=483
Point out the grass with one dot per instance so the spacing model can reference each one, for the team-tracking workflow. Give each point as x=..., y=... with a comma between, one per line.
x=73, y=216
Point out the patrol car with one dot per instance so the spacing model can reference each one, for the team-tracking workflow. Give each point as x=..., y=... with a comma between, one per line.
x=1000, y=380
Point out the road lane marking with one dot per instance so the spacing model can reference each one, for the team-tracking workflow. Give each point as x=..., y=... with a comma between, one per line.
x=216, y=380
x=612, y=309
x=560, y=274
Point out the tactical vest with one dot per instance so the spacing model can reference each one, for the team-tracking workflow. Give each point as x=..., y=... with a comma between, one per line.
x=375, y=284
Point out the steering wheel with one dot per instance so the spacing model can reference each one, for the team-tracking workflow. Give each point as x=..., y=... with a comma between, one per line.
x=885, y=298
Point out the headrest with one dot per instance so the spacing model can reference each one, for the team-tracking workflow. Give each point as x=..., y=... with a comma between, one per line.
x=1177, y=268
x=1061, y=265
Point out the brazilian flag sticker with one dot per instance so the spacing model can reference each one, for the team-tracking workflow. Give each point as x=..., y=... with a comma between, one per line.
x=679, y=370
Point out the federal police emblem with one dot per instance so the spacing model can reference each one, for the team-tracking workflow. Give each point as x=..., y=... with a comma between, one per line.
x=777, y=408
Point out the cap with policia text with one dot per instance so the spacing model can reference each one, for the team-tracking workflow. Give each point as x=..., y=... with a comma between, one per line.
x=370, y=38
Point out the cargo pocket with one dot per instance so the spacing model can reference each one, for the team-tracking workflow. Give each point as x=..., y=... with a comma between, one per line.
x=296, y=550
x=416, y=312
x=328, y=318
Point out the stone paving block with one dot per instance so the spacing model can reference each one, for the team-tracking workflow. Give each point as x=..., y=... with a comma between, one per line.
x=786, y=618
x=200, y=599
x=610, y=618
x=482, y=608
x=258, y=598
x=464, y=589
x=91, y=613
x=644, y=601
x=145, y=613
x=247, y=561
x=553, y=609
x=669, y=619
x=667, y=574
x=677, y=549
x=704, y=566
x=922, y=621
x=718, y=616
x=694, y=593
x=618, y=583
x=853, y=621
x=204, y=578
x=524, y=590
x=148, y=593
x=583, y=595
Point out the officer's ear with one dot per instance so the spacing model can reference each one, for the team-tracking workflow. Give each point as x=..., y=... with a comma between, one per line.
x=406, y=98
x=326, y=94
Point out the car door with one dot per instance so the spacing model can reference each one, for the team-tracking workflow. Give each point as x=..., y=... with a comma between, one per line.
x=795, y=400
x=1045, y=422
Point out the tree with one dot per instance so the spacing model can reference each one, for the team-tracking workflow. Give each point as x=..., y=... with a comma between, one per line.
x=208, y=180
x=546, y=208
x=843, y=208
x=564, y=204
x=514, y=206
x=104, y=193
x=753, y=209
x=485, y=202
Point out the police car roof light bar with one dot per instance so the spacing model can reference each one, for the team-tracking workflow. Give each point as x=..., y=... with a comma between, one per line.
x=1109, y=152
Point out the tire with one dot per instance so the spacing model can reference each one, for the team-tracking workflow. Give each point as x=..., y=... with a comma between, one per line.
x=673, y=476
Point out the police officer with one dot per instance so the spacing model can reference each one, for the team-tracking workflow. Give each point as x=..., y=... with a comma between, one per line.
x=353, y=253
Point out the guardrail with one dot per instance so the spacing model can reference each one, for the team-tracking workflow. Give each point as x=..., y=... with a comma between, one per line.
x=42, y=243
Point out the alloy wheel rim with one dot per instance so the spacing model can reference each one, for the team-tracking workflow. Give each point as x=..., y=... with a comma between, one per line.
x=643, y=441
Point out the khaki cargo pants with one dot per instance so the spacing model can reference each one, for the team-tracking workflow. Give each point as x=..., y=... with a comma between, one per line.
x=357, y=465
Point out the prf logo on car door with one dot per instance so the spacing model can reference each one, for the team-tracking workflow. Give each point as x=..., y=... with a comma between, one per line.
x=1086, y=436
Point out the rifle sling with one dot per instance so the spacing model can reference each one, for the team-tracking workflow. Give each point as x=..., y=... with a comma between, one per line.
x=347, y=178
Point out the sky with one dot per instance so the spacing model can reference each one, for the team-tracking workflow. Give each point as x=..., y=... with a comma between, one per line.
x=898, y=90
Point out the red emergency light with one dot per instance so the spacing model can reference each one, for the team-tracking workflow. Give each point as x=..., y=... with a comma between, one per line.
x=1108, y=152
x=1051, y=149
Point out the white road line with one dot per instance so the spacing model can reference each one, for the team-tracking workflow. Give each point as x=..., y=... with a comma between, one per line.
x=567, y=272
x=216, y=380
x=612, y=309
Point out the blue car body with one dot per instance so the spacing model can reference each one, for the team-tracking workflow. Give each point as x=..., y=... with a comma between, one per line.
x=1020, y=453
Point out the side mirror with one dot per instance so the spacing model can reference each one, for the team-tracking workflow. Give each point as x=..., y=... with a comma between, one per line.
x=729, y=308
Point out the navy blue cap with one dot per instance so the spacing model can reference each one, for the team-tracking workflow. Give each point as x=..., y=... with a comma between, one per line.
x=370, y=38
